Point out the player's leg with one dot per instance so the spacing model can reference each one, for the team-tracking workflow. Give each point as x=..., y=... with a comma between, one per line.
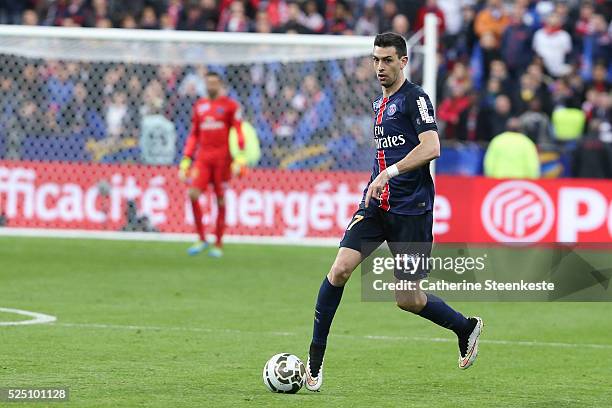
x=364, y=227
x=200, y=175
x=328, y=300
x=412, y=234
x=221, y=175
x=434, y=309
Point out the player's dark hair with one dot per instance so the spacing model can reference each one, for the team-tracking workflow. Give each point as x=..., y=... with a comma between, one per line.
x=392, y=40
x=213, y=74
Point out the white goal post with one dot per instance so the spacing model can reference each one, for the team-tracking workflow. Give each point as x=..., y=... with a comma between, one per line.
x=174, y=47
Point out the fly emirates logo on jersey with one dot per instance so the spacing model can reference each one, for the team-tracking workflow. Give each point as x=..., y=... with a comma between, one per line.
x=210, y=123
x=384, y=142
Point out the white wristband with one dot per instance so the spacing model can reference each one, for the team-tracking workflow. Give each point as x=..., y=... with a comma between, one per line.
x=392, y=171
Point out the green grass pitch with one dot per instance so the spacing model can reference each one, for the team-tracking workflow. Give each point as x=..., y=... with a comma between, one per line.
x=140, y=324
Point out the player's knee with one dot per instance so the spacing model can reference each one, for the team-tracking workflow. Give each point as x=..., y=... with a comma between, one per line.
x=194, y=193
x=340, y=272
x=412, y=302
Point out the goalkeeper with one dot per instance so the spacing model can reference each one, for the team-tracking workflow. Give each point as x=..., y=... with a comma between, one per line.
x=207, y=159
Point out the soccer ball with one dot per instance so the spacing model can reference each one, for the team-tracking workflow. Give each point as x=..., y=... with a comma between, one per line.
x=285, y=373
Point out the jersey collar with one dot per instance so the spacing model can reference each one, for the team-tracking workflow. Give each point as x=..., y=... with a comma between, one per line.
x=405, y=84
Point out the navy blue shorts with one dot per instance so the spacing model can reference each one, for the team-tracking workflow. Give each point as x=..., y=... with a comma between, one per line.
x=405, y=234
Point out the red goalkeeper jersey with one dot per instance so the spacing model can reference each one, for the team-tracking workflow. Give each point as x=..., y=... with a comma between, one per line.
x=211, y=121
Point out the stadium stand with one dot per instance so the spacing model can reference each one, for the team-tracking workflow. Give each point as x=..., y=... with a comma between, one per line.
x=547, y=63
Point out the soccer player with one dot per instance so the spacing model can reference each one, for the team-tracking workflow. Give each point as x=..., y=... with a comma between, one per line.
x=396, y=207
x=207, y=158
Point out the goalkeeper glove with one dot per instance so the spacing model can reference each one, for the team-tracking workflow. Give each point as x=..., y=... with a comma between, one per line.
x=239, y=166
x=184, y=168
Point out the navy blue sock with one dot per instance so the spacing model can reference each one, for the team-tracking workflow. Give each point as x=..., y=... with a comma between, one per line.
x=327, y=303
x=443, y=315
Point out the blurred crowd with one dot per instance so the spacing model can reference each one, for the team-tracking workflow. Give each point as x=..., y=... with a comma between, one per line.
x=306, y=114
x=541, y=69
x=360, y=17
x=538, y=68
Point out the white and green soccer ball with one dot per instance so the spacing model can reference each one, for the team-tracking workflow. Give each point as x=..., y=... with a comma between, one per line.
x=284, y=373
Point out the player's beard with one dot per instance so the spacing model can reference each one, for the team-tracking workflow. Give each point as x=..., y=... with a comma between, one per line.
x=389, y=81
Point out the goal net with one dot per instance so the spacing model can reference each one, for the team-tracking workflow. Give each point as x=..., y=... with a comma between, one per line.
x=93, y=122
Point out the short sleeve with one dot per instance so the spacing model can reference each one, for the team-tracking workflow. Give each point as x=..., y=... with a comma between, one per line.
x=376, y=105
x=421, y=112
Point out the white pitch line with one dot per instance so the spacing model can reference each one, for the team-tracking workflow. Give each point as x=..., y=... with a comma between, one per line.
x=38, y=318
x=162, y=237
x=349, y=336
x=487, y=341
x=166, y=328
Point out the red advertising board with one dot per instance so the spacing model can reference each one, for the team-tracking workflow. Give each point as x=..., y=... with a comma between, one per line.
x=299, y=204
x=478, y=209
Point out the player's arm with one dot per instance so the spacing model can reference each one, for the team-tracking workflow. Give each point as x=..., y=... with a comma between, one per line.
x=190, y=146
x=239, y=161
x=237, y=124
x=427, y=150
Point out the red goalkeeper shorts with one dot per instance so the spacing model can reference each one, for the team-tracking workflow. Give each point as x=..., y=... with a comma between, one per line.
x=216, y=172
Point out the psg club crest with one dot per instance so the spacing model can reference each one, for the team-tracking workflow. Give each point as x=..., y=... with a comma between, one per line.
x=392, y=109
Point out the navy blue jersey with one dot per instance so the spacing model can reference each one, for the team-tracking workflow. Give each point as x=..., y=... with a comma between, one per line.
x=399, y=120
